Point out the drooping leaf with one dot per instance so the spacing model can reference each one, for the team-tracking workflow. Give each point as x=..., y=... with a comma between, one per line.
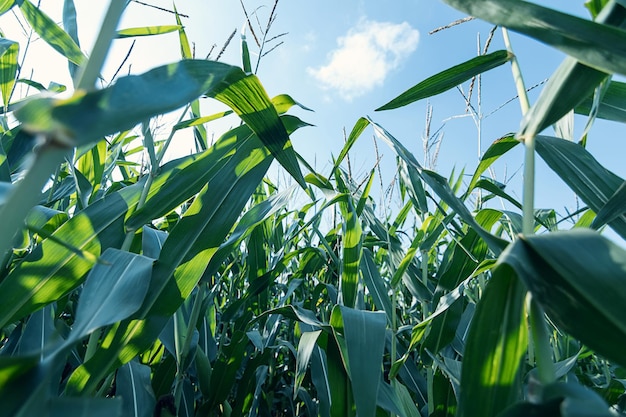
x=147, y=31
x=449, y=78
x=114, y=289
x=51, y=33
x=364, y=332
x=92, y=230
x=185, y=255
x=9, y=51
x=592, y=182
x=88, y=116
x=495, y=347
x=596, y=45
x=578, y=277
x=612, y=105
x=132, y=384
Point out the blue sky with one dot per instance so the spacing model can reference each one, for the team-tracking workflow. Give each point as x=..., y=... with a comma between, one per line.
x=343, y=60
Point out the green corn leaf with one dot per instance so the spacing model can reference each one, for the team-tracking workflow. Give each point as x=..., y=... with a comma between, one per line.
x=594, y=184
x=92, y=230
x=51, y=33
x=9, y=52
x=596, y=45
x=613, y=209
x=6, y=5
x=351, y=251
x=88, y=116
x=114, y=289
x=133, y=385
x=199, y=121
x=284, y=102
x=364, y=333
x=491, y=155
x=358, y=128
x=305, y=350
x=611, y=106
x=495, y=347
x=147, y=31
x=578, y=276
x=449, y=78
x=375, y=284
x=71, y=27
x=571, y=83
x=184, y=258
x=191, y=174
x=441, y=187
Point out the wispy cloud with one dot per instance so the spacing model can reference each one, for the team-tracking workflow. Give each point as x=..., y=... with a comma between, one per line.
x=364, y=57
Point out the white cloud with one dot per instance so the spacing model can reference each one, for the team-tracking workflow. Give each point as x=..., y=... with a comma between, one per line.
x=365, y=56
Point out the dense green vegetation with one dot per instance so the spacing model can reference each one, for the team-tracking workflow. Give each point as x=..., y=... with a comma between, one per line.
x=197, y=287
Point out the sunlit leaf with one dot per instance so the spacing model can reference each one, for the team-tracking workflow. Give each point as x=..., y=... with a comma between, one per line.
x=147, y=31
x=449, y=78
x=50, y=32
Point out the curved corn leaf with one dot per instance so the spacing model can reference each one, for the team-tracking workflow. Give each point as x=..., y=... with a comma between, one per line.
x=147, y=31
x=114, y=290
x=88, y=116
x=132, y=384
x=614, y=208
x=305, y=350
x=579, y=278
x=495, y=151
x=50, y=32
x=612, y=105
x=364, y=333
x=571, y=83
x=495, y=347
x=594, y=184
x=375, y=284
x=441, y=187
x=9, y=51
x=449, y=78
x=192, y=173
x=284, y=102
x=92, y=230
x=184, y=258
x=596, y=45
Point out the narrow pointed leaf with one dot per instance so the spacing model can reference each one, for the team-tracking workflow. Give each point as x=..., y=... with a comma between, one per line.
x=305, y=350
x=578, y=276
x=88, y=116
x=441, y=187
x=596, y=45
x=184, y=258
x=364, y=332
x=612, y=106
x=592, y=182
x=114, y=289
x=614, y=208
x=9, y=52
x=496, y=345
x=133, y=385
x=495, y=151
x=147, y=31
x=50, y=32
x=449, y=78
x=30, y=290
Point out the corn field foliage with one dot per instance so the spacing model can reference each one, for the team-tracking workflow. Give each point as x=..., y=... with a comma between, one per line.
x=198, y=287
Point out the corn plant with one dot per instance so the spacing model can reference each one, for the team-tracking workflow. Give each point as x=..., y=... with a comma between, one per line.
x=201, y=287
